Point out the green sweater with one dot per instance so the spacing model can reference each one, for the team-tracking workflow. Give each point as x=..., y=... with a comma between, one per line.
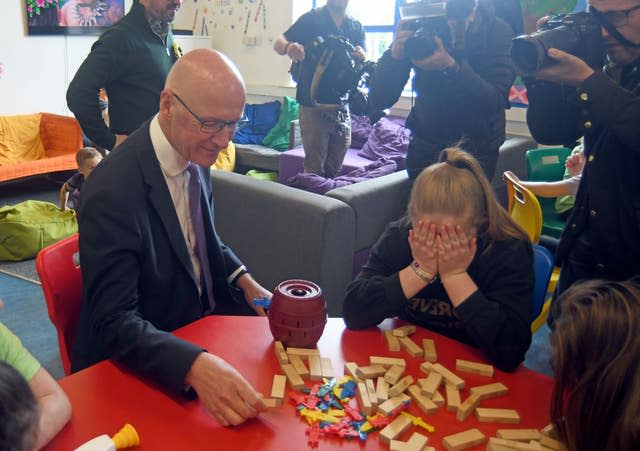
x=131, y=62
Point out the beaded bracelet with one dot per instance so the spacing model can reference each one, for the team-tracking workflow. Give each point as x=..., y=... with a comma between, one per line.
x=423, y=275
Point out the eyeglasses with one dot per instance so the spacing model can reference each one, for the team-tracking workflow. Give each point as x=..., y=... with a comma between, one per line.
x=617, y=18
x=213, y=127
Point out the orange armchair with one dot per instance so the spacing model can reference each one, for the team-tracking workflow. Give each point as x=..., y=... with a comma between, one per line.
x=59, y=136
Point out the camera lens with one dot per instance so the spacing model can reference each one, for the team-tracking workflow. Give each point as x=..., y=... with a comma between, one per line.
x=528, y=53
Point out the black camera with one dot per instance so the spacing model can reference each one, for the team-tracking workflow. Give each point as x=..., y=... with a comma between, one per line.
x=422, y=43
x=578, y=34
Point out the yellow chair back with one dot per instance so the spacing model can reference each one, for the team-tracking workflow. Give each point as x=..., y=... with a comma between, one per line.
x=524, y=208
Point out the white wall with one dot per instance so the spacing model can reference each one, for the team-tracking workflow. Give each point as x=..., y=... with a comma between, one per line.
x=38, y=69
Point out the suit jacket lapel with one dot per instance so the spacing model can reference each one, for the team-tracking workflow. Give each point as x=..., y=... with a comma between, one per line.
x=160, y=200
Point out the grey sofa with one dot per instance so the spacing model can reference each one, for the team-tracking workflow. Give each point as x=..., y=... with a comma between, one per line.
x=284, y=233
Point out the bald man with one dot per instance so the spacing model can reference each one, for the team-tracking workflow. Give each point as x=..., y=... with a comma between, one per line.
x=150, y=261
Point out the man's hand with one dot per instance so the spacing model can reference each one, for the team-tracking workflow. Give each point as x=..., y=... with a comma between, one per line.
x=224, y=392
x=359, y=54
x=422, y=241
x=253, y=290
x=567, y=69
x=455, y=250
x=295, y=51
x=399, y=40
x=439, y=60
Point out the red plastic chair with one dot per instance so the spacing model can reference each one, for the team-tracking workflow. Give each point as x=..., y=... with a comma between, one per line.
x=62, y=287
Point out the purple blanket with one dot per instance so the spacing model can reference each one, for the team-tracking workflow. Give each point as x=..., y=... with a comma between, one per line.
x=389, y=139
x=320, y=185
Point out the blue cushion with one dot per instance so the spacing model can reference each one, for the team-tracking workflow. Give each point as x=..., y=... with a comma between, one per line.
x=262, y=117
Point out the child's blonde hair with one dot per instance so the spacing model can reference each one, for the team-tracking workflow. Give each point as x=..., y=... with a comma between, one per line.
x=86, y=153
x=457, y=186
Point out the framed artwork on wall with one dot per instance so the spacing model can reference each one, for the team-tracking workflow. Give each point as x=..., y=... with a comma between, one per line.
x=72, y=16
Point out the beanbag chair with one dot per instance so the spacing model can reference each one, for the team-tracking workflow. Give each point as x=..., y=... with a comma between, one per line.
x=278, y=137
x=29, y=226
x=262, y=117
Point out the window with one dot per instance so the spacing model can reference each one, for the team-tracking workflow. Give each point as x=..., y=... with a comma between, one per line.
x=379, y=22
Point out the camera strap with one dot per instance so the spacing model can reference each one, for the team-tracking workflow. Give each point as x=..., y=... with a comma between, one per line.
x=613, y=31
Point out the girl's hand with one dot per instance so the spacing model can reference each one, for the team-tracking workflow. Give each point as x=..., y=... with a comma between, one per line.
x=422, y=241
x=455, y=250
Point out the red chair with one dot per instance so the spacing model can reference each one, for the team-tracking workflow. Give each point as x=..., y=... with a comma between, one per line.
x=61, y=280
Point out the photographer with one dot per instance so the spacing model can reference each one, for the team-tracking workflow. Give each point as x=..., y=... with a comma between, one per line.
x=324, y=122
x=568, y=98
x=462, y=90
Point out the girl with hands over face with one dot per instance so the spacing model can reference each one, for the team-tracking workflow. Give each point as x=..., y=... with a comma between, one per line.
x=456, y=264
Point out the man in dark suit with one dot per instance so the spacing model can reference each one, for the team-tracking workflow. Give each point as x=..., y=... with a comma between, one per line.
x=145, y=248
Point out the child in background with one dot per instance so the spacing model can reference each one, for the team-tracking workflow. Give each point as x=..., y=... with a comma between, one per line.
x=18, y=410
x=53, y=407
x=566, y=189
x=87, y=159
x=595, y=354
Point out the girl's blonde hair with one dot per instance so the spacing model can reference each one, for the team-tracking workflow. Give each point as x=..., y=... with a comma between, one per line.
x=457, y=186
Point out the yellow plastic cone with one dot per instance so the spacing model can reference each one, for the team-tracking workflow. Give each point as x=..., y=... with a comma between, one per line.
x=126, y=437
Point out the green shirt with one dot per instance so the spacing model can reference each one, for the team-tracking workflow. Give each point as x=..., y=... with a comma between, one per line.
x=15, y=354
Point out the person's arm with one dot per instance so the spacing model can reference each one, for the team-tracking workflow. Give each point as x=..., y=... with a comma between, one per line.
x=53, y=406
x=64, y=196
x=547, y=189
x=103, y=64
x=497, y=314
x=293, y=50
x=388, y=81
x=377, y=293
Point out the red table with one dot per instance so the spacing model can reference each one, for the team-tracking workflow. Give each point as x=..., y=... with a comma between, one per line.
x=105, y=397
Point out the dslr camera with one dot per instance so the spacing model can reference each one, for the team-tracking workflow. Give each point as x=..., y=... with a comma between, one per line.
x=578, y=34
x=428, y=19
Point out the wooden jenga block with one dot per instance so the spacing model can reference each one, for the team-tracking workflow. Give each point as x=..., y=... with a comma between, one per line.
x=315, y=368
x=303, y=352
x=431, y=384
x=449, y=376
x=387, y=361
x=392, y=403
x=299, y=366
x=350, y=369
x=326, y=367
x=485, y=415
x=295, y=381
x=463, y=440
x=425, y=404
x=411, y=347
x=272, y=403
x=453, y=397
x=467, y=407
x=401, y=386
x=370, y=372
x=549, y=442
x=519, y=435
x=395, y=429
x=537, y=446
x=281, y=354
x=404, y=331
x=474, y=367
x=382, y=390
x=278, y=387
x=426, y=367
x=489, y=390
x=417, y=442
x=394, y=374
x=429, y=348
x=438, y=398
x=363, y=399
x=392, y=341
x=500, y=444
x=371, y=392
